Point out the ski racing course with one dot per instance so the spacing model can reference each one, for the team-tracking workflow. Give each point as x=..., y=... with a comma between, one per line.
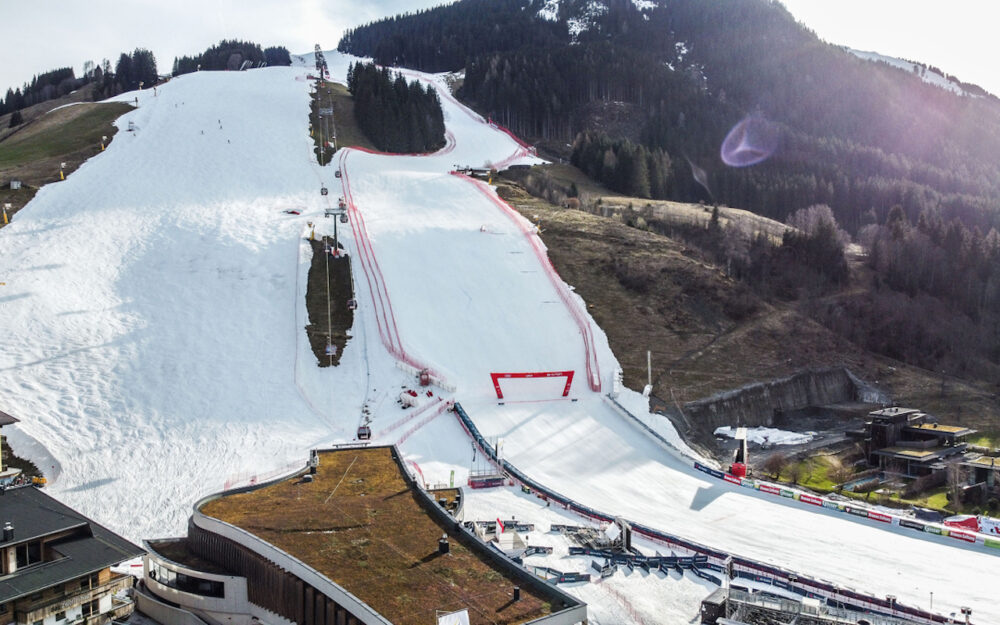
x=473, y=298
x=154, y=347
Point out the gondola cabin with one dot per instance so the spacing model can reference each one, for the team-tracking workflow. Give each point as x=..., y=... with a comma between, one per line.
x=364, y=433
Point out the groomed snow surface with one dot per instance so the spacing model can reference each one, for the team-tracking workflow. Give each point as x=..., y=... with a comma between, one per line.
x=154, y=351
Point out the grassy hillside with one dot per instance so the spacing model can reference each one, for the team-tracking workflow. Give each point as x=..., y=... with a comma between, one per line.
x=30, y=113
x=707, y=332
x=34, y=152
x=344, y=126
x=60, y=133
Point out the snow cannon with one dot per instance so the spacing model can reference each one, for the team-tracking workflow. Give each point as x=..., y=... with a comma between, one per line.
x=738, y=469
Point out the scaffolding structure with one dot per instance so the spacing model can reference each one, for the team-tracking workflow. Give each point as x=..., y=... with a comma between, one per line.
x=732, y=606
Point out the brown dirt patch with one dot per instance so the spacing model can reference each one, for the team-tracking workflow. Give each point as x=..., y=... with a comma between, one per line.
x=708, y=333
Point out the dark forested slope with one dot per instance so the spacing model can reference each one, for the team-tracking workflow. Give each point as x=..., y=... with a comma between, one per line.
x=856, y=135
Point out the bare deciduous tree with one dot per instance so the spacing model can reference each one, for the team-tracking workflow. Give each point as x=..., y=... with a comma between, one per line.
x=775, y=464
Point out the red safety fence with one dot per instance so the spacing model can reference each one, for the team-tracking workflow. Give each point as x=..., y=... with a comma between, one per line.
x=523, y=150
x=441, y=407
x=449, y=145
x=582, y=322
x=413, y=414
x=379, y=292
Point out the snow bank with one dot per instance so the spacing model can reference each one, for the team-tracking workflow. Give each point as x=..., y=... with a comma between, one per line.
x=765, y=436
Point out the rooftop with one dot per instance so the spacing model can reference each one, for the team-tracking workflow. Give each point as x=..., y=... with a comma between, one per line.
x=6, y=419
x=986, y=461
x=955, y=430
x=176, y=550
x=907, y=452
x=895, y=411
x=90, y=548
x=359, y=524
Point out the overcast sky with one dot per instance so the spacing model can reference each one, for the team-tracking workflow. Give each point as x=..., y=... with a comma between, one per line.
x=958, y=36
x=39, y=35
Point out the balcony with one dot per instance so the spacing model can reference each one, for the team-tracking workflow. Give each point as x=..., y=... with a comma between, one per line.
x=29, y=612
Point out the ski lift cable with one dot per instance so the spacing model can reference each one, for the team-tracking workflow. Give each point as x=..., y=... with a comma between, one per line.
x=329, y=313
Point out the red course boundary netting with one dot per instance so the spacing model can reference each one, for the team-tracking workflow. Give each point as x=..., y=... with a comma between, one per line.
x=382, y=304
x=590, y=351
x=537, y=374
x=449, y=145
x=523, y=148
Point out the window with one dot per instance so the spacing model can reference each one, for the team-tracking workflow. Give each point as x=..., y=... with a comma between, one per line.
x=186, y=583
x=91, y=609
x=89, y=582
x=29, y=553
x=3, y=608
x=60, y=616
x=36, y=596
x=37, y=623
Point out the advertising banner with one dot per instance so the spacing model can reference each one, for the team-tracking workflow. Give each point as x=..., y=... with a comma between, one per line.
x=913, y=525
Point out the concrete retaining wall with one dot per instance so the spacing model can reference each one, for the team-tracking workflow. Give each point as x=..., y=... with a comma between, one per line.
x=163, y=613
x=567, y=609
x=758, y=404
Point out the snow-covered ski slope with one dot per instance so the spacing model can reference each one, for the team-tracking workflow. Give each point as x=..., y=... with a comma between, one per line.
x=150, y=328
x=153, y=345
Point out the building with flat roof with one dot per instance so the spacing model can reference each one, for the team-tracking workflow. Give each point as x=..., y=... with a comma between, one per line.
x=905, y=441
x=55, y=564
x=984, y=471
x=349, y=539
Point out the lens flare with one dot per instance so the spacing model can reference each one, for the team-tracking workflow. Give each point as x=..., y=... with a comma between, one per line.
x=751, y=141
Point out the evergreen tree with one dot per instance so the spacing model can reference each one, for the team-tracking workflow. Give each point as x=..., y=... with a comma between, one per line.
x=397, y=116
x=276, y=56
